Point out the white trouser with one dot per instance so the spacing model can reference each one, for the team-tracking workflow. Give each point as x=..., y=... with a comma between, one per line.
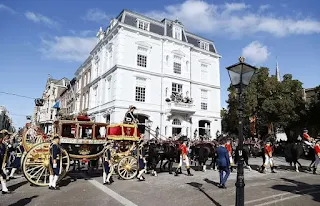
x=231, y=160
x=317, y=161
x=308, y=143
x=184, y=160
x=268, y=160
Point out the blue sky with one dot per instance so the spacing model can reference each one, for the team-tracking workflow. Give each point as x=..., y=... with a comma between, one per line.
x=38, y=38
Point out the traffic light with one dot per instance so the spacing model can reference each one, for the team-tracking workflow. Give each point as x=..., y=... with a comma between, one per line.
x=39, y=102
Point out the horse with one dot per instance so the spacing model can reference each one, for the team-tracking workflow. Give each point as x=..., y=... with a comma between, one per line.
x=293, y=151
x=201, y=151
x=245, y=155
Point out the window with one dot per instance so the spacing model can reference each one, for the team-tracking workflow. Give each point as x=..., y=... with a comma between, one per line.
x=204, y=99
x=143, y=25
x=177, y=33
x=109, y=89
x=140, y=89
x=142, y=60
x=177, y=68
x=204, y=72
x=204, y=45
x=176, y=88
x=110, y=58
x=176, y=122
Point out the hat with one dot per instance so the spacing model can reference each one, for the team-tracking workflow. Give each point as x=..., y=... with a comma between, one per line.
x=132, y=107
x=305, y=130
x=56, y=137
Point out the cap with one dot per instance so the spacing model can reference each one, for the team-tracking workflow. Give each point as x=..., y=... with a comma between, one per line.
x=56, y=137
x=132, y=107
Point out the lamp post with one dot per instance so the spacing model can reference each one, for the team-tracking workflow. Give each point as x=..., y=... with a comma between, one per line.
x=240, y=75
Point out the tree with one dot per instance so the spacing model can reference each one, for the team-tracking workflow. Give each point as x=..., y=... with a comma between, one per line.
x=314, y=113
x=273, y=103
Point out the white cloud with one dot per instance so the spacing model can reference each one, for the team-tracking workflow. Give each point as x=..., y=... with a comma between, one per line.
x=39, y=18
x=200, y=16
x=68, y=48
x=6, y=8
x=264, y=7
x=96, y=15
x=256, y=52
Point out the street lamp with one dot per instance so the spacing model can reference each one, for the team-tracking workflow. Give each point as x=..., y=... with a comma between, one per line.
x=240, y=75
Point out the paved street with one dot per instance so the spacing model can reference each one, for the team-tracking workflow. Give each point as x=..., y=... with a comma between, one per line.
x=284, y=188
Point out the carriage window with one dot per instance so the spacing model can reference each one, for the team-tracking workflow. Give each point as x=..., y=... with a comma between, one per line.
x=86, y=132
x=67, y=131
x=100, y=132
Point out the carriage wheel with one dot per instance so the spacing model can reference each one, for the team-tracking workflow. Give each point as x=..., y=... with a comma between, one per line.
x=128, y=168
x=36, y=164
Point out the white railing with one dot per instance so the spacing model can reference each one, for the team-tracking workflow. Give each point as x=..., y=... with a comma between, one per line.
x=181, y=104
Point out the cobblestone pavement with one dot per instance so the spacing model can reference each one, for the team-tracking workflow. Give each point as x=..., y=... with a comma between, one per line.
x=283, y=188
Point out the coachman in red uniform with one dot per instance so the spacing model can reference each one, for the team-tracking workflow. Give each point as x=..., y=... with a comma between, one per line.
x=317, y=156
x=268, y=158
x=229, y=148
x=183, y=158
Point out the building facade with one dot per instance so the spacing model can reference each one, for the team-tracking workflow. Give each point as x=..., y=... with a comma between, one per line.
x=172, y=76
x=83, y=76
x=46, y=114
x=66, y=99
x=5, y=120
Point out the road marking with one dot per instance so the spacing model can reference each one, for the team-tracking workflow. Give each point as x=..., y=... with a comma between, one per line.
x=281, y=194
x=287, y=198
x=112, y=193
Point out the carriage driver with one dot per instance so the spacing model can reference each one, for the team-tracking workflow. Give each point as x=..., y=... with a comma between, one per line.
x=129, y=116
x=107, y=165
x=268, y=157
x=183, y=158
x=55, y=167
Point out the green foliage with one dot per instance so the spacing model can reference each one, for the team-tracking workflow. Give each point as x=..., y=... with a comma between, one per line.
x=314, y=113
x=273, y=102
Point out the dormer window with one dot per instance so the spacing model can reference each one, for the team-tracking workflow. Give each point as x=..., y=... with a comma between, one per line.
x=143, y=25
x=204, y=45
x=177, y=33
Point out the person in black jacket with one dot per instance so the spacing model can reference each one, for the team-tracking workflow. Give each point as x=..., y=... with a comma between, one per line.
x=55, y=160
x=223, y=162
x=3, y=154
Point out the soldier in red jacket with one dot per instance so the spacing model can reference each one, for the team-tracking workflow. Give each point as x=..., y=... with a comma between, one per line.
x=317, y=156
x=307, y=139
x=229, y=148
x=268, y=157
x=183, y=158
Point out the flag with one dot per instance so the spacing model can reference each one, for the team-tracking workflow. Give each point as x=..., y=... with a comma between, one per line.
x=56, y=105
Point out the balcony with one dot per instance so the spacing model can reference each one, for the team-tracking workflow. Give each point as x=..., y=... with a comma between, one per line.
x=179, y=104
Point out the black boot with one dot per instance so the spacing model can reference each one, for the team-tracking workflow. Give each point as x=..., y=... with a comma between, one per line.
x=176, y=172
x=262, y=169
x=189, y=173
x=314, y=170
x=272, y=170
x=180, y=170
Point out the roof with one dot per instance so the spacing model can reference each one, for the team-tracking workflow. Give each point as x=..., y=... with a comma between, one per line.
x=163, y=27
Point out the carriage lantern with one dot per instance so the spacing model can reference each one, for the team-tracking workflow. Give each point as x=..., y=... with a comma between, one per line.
x=240, y=75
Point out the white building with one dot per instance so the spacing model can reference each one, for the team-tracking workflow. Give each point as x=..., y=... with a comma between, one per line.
x=140, y=61
x=46, y=114
x=5, y=120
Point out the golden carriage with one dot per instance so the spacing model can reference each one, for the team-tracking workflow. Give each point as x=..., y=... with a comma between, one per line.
x=80, y=139
x=127, y=145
